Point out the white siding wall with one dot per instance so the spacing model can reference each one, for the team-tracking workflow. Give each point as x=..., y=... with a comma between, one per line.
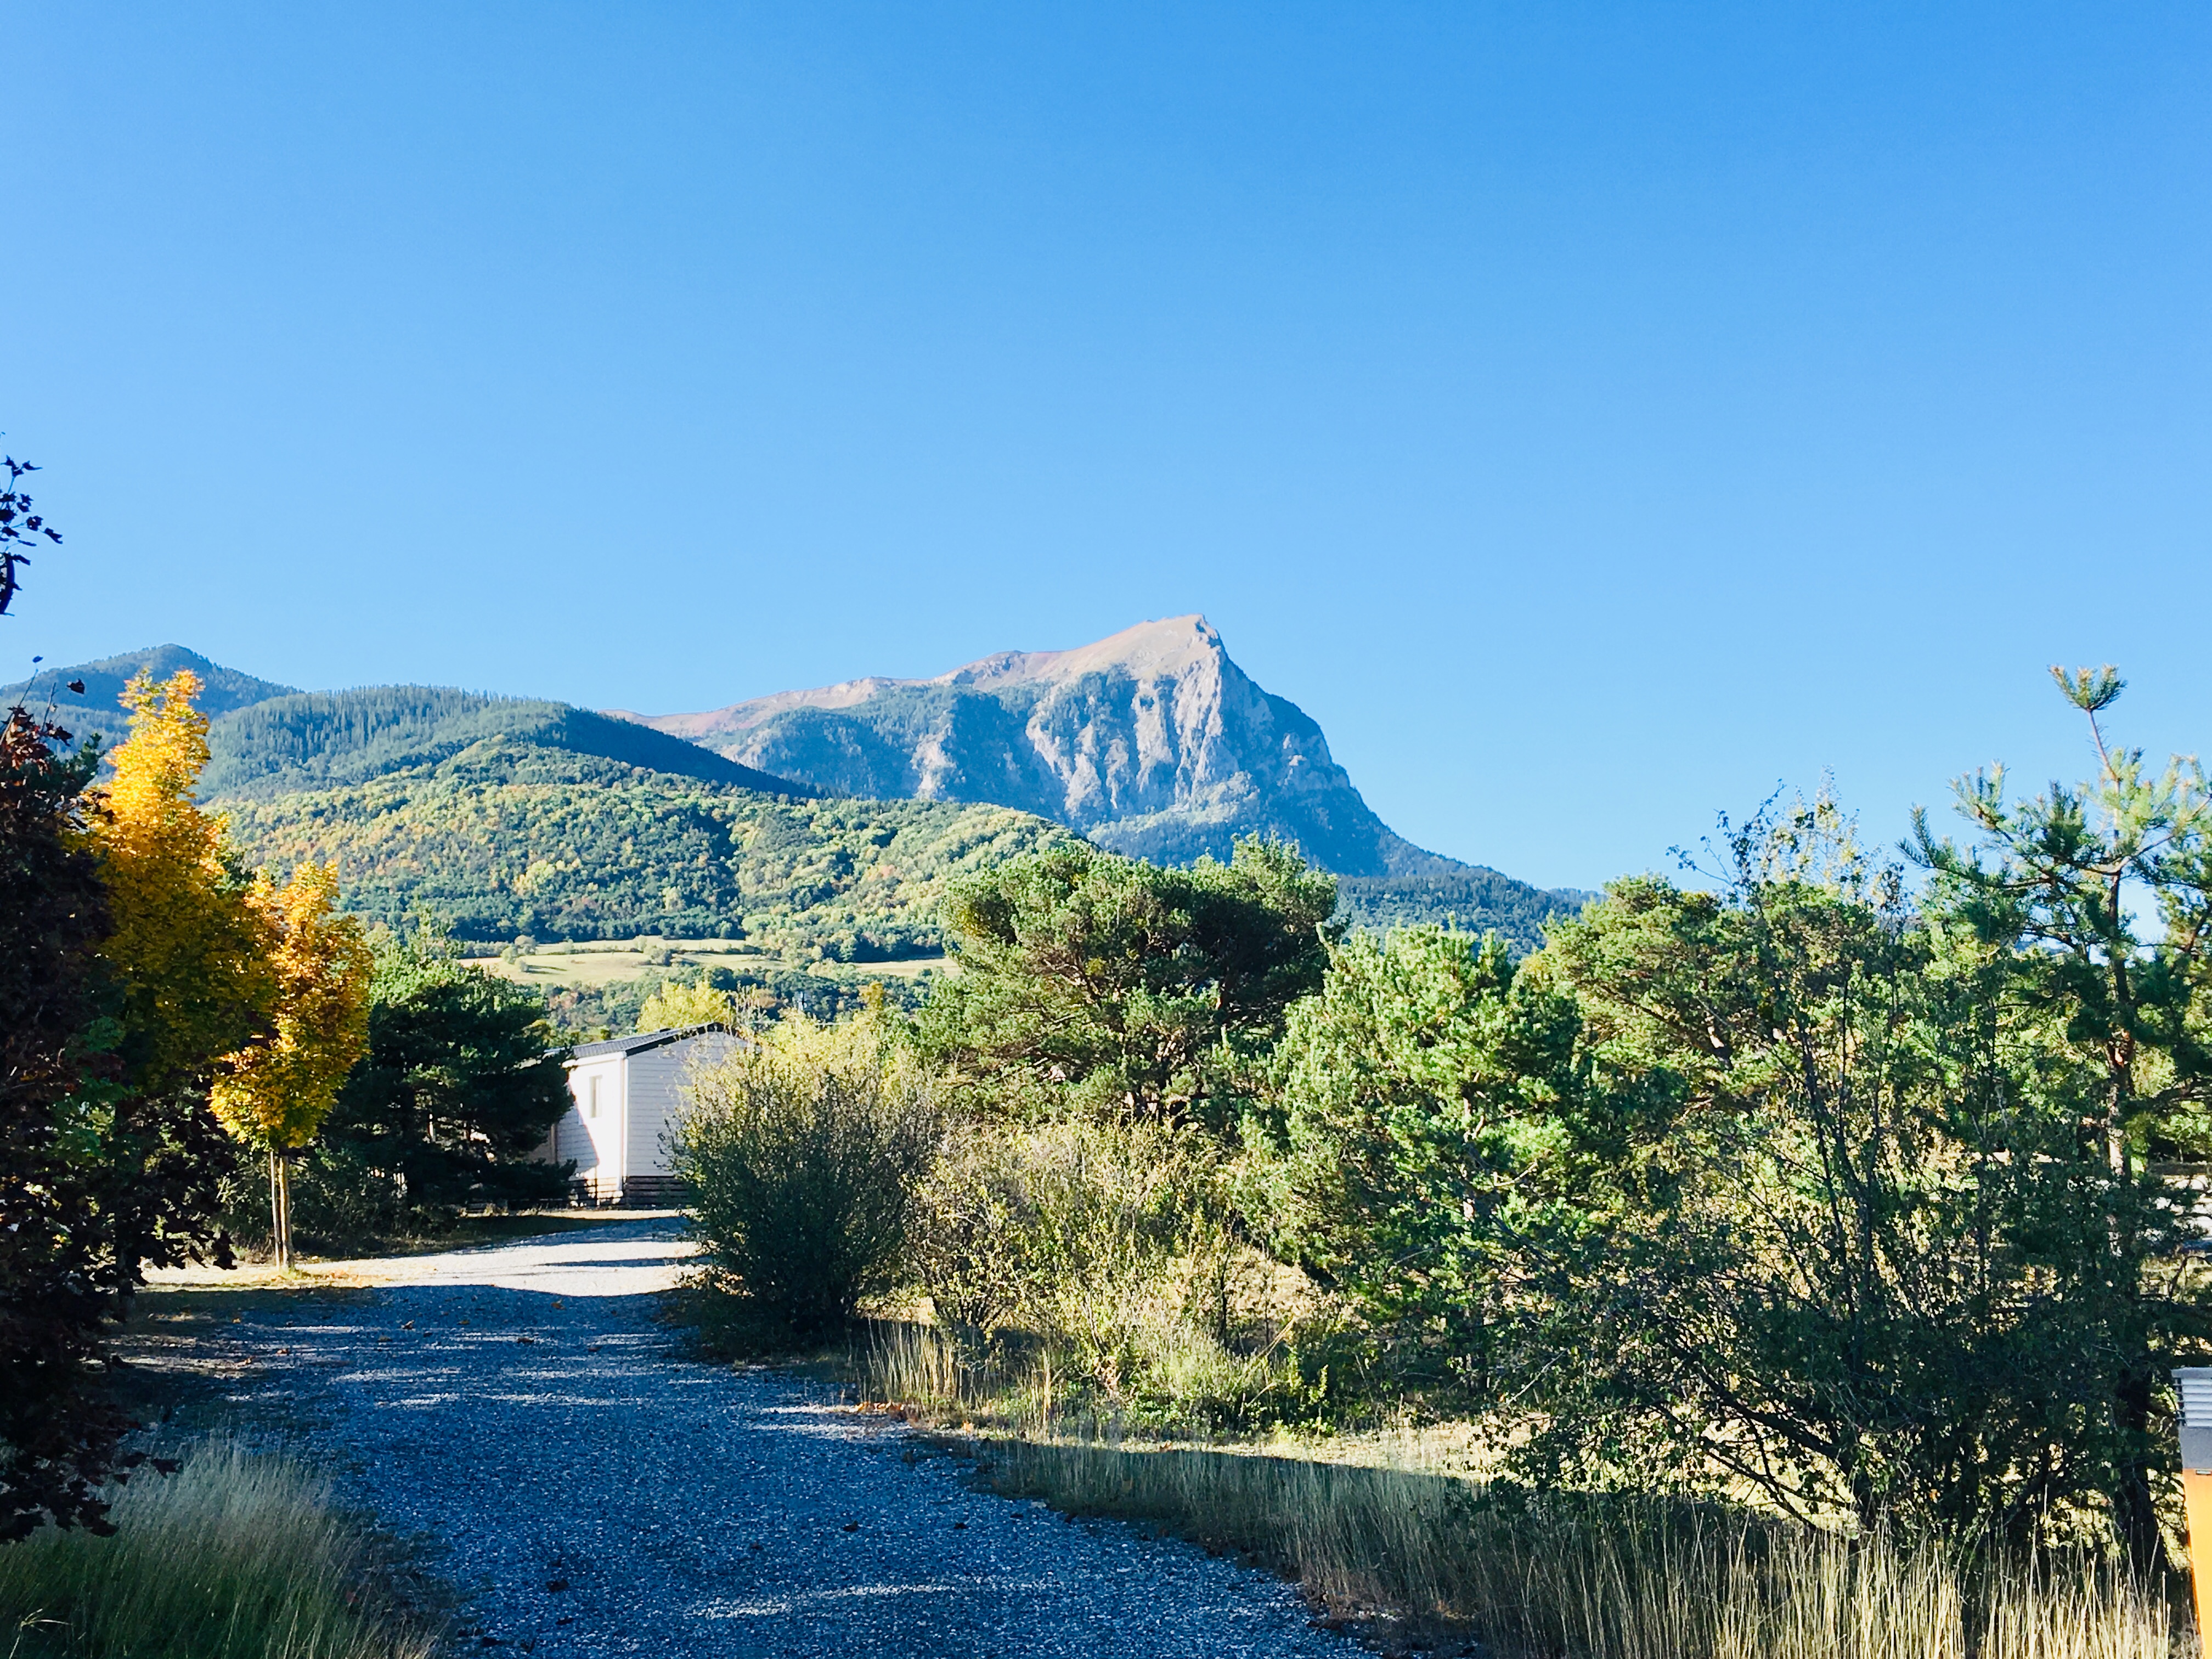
x=657, y=1078
x=594, y=1139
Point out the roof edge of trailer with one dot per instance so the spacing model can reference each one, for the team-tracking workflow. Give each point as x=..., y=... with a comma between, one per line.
x=643, y=1040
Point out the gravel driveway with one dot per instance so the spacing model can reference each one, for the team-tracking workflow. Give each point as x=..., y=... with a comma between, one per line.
x=596, y=1493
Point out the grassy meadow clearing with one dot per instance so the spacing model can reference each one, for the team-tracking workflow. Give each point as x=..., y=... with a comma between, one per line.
x=608, y=962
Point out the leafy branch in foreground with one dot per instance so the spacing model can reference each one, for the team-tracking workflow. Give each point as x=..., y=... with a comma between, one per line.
x=20, y=527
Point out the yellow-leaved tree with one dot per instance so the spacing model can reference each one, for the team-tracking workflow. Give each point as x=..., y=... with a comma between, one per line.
x=677, y=1003
x=186, y=976
x=274, y=1093
x=186, y=949
x=244, y=995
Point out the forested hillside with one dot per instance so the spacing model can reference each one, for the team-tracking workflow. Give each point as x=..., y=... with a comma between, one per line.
x=509, y=838
x=1470, y=898
x=312, y=740
x=97, y=709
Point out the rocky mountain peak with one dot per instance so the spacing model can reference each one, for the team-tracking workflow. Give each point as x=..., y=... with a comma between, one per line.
x=1151, y=741
x=1168, y=649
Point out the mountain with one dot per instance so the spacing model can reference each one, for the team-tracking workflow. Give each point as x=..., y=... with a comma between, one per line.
x=267, y=740
x=99, y=708
x=315, y=739
x=1151, y=743
x=822, y=824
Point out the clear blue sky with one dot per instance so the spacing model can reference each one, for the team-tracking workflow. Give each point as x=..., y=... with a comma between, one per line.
x=1593, y=415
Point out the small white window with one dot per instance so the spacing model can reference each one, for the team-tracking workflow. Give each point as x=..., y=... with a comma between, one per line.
x=591, y=1096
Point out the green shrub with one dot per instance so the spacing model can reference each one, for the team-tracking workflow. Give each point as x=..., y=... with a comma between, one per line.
x=236, y=1557
x=805, y=1150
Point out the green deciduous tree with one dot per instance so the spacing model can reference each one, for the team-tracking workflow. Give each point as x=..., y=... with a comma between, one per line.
x=1788, y=1182
x=679, y=1003
x=1848, y=1242
x=59, y=1278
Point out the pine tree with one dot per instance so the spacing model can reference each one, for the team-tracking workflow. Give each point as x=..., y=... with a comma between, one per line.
x=2046, y=886
x=462, y=1082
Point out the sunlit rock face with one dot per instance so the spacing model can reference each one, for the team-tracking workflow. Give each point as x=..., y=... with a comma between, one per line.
x=1152, y=741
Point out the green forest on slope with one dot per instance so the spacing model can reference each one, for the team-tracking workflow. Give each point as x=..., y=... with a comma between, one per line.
x=507, y=838
x=98, y=711
x=1475, y=900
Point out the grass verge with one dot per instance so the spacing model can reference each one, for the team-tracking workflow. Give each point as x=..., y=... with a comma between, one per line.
x=1598, y=1578
x=237, y=1556
x=1417, y=1557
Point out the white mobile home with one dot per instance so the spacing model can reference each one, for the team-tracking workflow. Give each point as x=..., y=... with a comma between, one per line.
x=625, y=1101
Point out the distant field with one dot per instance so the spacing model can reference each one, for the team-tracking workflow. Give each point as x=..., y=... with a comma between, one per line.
x=554, y=966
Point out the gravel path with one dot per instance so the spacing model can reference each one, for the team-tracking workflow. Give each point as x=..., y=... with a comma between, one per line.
x=597, y=1494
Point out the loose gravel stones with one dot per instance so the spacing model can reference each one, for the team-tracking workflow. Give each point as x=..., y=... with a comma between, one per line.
x=590, y=1492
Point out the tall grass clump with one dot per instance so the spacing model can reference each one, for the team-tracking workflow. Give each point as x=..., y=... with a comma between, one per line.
x=1094, y=1261
x=805, y=1150
x=1587, y=1577
x=235, y=1556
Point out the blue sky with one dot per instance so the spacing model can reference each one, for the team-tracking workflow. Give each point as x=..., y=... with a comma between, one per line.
x=1593, y=415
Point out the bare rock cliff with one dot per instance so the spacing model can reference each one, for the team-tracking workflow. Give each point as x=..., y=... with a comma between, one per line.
x=1152, y=742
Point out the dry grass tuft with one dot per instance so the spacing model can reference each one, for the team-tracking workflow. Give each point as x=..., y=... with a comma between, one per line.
x=236, y=1557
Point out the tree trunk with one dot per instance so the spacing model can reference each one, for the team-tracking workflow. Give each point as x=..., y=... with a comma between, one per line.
x=280, y=1208
x=2138, y=1509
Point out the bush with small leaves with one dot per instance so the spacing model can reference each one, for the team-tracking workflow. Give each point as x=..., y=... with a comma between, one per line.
x=805, y=1149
